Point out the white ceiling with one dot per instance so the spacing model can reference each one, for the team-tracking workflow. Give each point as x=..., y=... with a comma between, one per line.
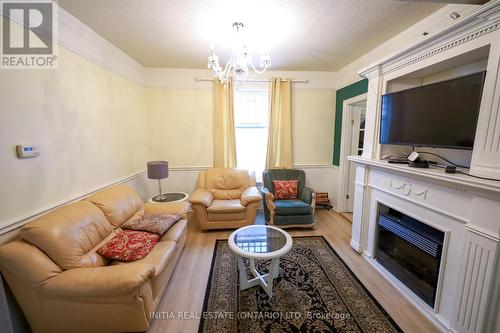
x=299, y=34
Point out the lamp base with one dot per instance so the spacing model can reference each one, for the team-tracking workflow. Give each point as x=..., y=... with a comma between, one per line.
x=170, y=197
x=160, y=197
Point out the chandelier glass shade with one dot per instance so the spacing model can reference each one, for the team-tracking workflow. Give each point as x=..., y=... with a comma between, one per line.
x=240, y=64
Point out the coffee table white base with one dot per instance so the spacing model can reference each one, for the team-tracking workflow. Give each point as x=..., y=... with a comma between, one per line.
x=265, y=280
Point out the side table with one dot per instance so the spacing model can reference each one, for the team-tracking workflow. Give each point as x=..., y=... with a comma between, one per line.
x=169, y=197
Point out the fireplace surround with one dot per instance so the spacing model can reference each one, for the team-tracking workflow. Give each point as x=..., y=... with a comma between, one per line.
x=464, y=211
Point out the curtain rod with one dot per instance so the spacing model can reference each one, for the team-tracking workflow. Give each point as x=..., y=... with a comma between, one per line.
x=254, y=80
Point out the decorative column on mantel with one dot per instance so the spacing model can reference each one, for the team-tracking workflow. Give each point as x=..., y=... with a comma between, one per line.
x=486, y=153
x=373, y=98
x=370, y=150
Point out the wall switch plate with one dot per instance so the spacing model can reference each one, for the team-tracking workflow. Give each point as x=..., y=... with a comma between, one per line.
x=27, y=151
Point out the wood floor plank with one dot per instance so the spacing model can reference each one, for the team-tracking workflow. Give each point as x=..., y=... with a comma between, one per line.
x=186, y=289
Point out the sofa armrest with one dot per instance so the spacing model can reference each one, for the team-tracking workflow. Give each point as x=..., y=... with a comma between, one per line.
x=180, y=208
x=307, y=194
x=250, y=195
x=269, y=199
x=201, y=196
x=99, y=282
x=27, y=263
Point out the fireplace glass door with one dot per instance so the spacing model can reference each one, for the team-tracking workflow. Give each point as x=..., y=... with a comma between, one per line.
x=411, y=251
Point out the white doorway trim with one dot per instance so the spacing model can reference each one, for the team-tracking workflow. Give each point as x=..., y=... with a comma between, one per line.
x=345, y=146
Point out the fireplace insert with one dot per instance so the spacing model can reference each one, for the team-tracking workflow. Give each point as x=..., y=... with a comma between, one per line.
x=411, y=251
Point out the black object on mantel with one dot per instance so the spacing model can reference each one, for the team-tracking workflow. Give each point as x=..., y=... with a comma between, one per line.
x=419, y=164
x=397, y=160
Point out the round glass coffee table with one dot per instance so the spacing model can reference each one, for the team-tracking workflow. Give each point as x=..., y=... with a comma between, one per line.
x=259, y=242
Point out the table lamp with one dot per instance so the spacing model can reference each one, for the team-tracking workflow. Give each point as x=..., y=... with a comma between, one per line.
x=158, y=170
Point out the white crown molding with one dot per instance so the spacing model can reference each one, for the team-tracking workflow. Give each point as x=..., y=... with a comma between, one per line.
x=471, y=25
x=316, y=80
x=176, y=78
x=82, y=40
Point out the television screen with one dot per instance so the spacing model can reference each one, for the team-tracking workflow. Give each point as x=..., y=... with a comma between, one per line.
x=442, y=114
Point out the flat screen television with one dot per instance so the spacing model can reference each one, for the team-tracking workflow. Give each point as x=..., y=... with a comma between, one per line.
x=441, y=115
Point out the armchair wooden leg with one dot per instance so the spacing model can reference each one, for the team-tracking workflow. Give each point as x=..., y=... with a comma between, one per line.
x=271, y=218
x=271, y=206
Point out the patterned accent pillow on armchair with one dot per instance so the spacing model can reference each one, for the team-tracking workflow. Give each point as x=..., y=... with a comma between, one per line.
x=285, y=189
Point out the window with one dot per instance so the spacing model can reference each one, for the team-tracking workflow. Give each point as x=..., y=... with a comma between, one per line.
x=251, y=122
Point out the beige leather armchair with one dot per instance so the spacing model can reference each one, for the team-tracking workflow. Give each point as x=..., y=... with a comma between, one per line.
x=225, y=198
x=63, y=285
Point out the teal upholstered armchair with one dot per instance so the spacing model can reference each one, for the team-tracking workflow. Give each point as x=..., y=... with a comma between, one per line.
x=297, y=213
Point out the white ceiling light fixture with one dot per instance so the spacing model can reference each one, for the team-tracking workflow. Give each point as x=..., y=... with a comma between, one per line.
x=240, y=63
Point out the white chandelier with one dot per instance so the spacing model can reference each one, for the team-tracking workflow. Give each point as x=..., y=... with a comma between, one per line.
x=240, y=63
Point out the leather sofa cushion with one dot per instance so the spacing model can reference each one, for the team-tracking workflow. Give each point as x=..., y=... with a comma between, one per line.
x=175, y=232
x=119, y=203
x=226, y=183
x=159, y=258
x=179, y=208
x=238, y=216
x=69, y=235
x=292, y=207
x=226, y=206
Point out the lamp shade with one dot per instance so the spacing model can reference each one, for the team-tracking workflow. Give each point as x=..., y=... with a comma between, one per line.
x=157, y=169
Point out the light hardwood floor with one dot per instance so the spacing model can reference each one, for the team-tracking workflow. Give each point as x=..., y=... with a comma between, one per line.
x=186, y=289
x=348, y=216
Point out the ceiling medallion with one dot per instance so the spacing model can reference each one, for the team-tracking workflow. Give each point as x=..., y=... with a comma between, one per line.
x=240, y=64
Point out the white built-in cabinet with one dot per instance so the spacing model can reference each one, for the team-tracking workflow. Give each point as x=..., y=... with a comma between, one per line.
x=466, y=209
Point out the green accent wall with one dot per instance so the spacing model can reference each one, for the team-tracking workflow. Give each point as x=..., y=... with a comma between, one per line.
x=342, y=94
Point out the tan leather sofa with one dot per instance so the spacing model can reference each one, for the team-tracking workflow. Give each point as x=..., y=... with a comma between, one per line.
x=63, y=285
x=225, y=198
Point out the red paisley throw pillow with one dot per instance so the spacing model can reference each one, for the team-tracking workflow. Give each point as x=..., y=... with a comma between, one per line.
x=129, y=245
x=285, y=189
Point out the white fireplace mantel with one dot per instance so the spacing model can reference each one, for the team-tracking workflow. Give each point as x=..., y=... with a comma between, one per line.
x=456, y=180
x=466, y=209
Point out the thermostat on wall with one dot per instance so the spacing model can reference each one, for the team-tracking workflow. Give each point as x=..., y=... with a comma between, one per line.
x=27, y=151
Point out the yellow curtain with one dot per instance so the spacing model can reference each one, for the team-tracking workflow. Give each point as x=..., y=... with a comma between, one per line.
x=279, y=144
x=224, y=133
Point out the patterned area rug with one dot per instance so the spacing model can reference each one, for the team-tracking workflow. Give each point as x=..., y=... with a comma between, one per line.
x=315, y=292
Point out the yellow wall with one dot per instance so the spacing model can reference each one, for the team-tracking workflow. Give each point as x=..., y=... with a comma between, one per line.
x=95, y=127
x=313, y=123
x=180, y=126
x=88, y=122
